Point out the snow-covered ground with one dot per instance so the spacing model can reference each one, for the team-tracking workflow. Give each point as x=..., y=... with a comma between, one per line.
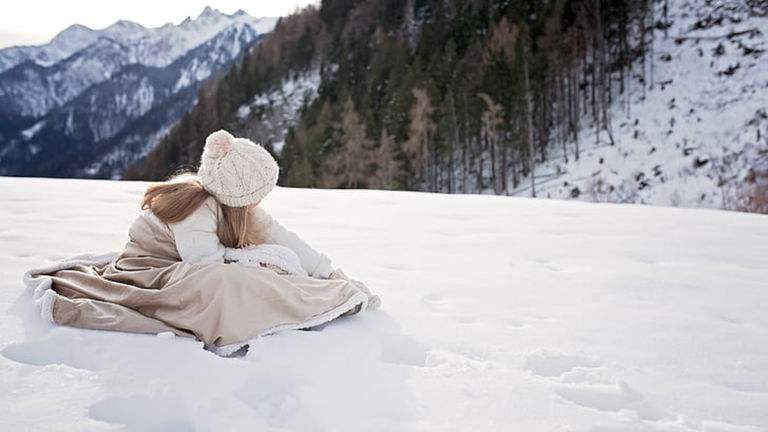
x=691, y=137
x=499, y=314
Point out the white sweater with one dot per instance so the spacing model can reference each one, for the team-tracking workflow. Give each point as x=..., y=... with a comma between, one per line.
x=197, y=239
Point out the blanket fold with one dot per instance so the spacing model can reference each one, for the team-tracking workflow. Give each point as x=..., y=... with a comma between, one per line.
x=146, y=288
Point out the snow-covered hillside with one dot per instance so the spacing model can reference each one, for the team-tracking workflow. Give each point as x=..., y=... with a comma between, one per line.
x=270, y=115
x=692, y=136
x=498, y=314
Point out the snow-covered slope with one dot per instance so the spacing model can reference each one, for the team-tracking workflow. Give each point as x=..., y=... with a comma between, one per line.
x=30, y=90
x=498, y=314
x=691, y=138
x=269, y=115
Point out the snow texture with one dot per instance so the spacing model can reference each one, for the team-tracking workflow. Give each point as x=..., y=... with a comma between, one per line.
x=499, y=314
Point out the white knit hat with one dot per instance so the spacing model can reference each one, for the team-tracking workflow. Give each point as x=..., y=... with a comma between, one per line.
x=236, y=171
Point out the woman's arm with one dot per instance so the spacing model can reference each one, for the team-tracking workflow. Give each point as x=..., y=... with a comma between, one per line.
x=197, y=238
x=315, y=263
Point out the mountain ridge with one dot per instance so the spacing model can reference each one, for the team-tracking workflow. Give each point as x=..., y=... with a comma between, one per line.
x=78, y=36
x=56, y=133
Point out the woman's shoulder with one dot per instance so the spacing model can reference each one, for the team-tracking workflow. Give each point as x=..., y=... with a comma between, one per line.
x=148, y=217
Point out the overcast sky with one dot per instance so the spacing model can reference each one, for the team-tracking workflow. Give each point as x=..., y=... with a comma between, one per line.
x=34, y=22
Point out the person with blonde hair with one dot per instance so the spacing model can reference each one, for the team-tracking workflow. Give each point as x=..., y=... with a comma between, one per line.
x=204, y=260
x=213, y=214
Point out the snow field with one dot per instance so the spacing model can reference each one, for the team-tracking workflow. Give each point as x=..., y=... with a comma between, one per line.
x=498, y=313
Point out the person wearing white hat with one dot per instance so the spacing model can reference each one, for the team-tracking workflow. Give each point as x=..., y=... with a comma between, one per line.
x=204, y=260
x=214, y=217
x=236, y=171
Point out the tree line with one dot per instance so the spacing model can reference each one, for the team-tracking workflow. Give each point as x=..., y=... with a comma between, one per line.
x=433, y=95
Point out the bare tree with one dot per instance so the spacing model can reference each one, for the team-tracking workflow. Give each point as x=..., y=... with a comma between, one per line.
x=529, y=114
x=386, y=165
x=491, y=119
x=420, y=130
x=351, y=162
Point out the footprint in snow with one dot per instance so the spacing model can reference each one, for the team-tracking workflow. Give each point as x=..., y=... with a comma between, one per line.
x=92, y=350
x=747, y=386
x=515, y=323
x=613, y=398
x=547, y=264
x=435, y=297
x=56, y=350
x=142, y=413
x=525, y=320
x=272, y=397
x=556, y=365
x=538, y=316
x=434, y=301
x=733, y=321
x=398, y=267
x=466, y=319
x=403, y=350
x=20, y=212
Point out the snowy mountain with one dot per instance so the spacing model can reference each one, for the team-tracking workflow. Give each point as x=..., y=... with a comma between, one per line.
x=499, y=314
x=57, y=119
x=81, y=130
x=696, y=136
x=149, y=46
x=31, y=89
x=69, y=41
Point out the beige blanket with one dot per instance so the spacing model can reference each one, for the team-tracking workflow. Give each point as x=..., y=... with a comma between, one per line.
x=148, y=289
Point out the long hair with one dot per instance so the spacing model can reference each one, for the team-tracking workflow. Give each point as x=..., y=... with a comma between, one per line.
x=178, y=197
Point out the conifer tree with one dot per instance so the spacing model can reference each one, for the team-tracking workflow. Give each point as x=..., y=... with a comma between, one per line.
x=492, y=119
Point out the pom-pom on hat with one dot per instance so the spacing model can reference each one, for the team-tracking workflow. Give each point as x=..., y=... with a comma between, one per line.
x=236, y=171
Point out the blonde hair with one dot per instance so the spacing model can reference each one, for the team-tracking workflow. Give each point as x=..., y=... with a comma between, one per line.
x=178, y=197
